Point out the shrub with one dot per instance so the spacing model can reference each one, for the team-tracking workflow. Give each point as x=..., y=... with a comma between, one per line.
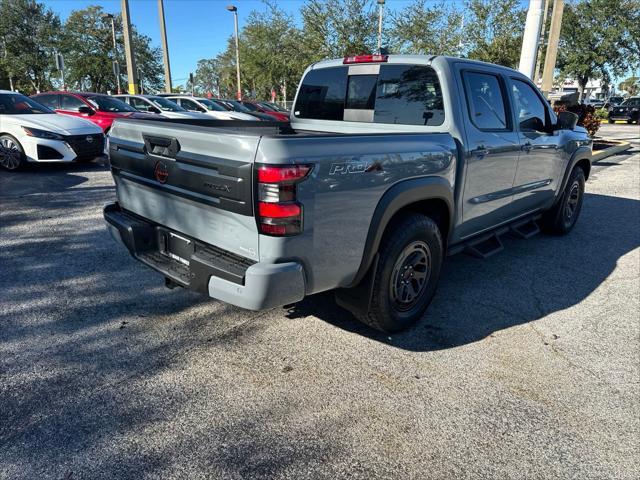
x=586, y=116
x=602, y=113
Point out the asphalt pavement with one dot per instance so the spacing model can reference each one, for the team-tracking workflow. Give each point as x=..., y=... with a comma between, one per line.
x=527, y=364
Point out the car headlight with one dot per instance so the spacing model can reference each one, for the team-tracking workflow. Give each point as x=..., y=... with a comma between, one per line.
x=36, y=132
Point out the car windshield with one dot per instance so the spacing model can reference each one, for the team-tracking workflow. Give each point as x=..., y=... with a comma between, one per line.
x=250, y=106
x=275, y=107
x=615, y=99
x=109, y=104
x=222, y=104
x=166, y=105
x=211, y=105
x=17, y=104
x=631, y=101
x=267, y=107
x=238, y=107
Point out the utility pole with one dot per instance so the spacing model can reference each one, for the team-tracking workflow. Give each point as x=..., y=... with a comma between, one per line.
x=165, y=48
x=234, y=9
x=530, y=39
x=552, y=47
x=380, y=11
x=116, y=65
x=60, y=66
x=132, y=74
x=543, y=29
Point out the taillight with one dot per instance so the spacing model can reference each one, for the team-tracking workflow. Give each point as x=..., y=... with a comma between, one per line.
x=278, y=212
x=374, y=58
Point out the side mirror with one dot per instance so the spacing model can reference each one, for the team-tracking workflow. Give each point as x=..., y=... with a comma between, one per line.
x=86, y=110
x=200, y=109
x=566, y=121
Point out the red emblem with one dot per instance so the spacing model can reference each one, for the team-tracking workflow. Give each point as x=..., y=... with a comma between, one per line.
x=161, y=173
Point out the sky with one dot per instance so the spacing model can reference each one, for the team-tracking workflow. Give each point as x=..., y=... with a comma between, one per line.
x=196, y=29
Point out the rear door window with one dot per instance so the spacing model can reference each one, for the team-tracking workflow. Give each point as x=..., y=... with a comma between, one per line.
x=396, y=94
x=485, y=100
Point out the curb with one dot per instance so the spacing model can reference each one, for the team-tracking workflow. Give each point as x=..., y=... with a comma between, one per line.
x=607, y=152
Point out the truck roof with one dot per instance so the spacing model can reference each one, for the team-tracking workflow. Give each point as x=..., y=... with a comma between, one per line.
x=413, y=59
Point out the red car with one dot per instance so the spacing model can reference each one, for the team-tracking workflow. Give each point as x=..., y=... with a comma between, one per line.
x=100, y=109
x=258, y=107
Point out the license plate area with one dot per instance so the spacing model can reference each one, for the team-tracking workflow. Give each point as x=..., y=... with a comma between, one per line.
x=175, y=246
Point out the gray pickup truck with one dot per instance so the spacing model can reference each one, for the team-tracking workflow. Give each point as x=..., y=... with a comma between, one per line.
x=389, y=164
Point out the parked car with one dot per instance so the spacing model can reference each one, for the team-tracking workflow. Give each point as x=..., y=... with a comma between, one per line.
x=613, y=101
x=275, y=107
x=628, y=110
x=158, y=105
x=100, y=109
x=237, y=106
x=204, y=105
x=31, y=132
x=256, y=107
x=389, y=164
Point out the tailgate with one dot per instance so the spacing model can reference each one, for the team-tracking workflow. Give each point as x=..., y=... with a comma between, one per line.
x=192, y=179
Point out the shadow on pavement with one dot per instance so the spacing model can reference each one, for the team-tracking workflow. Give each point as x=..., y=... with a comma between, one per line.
x=527, y=281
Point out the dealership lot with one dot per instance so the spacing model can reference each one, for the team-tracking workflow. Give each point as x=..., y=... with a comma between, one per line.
x=526, y=365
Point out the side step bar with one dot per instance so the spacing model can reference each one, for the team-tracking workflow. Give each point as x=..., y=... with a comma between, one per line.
x=491, y=243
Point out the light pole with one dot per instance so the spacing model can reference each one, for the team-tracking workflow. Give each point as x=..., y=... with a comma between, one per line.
x=233, y=9
x=116, y=69
x=132, y=74
x=165, y=48
x=381, y=8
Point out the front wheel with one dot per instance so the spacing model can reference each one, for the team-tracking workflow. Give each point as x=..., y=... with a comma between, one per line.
x=407, y=275
x=11, y=153
x=563, y=216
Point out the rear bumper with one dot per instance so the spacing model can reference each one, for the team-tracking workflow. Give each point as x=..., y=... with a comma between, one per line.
x=210, y=270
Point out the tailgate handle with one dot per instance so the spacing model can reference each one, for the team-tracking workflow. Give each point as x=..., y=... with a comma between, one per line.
x=161, y=146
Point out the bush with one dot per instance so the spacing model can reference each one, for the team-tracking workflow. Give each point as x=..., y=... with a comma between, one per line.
x=587, y=117
x=602, y=113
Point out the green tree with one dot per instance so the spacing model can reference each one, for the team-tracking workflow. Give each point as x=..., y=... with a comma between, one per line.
x=599, y=39
x=28, y=40
x=337, y=28
x=207, y=76
x=270, y=56
x=630, y=85
x=88, y=47
x=423, y=29
x=493, y=31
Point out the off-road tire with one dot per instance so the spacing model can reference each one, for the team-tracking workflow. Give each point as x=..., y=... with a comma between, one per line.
x=9, y=146
x=420, y=236
x=561, y=219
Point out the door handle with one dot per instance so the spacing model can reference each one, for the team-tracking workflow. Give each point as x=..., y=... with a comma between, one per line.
x=527, y=147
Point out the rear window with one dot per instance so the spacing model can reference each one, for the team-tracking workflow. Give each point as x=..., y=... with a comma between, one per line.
x=397, y=94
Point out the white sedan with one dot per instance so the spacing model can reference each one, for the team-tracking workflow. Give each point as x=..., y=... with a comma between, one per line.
x=159, y=105
x=30, y=132
x=204, y=105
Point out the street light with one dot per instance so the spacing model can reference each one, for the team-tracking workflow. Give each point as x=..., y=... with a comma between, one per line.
x=233, y=9
x=381, y=4
x=116, y=70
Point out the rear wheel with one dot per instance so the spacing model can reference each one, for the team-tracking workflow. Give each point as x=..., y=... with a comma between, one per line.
x=611, y=121
x=407, y=274
x=563, y=216
x=11, y=153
